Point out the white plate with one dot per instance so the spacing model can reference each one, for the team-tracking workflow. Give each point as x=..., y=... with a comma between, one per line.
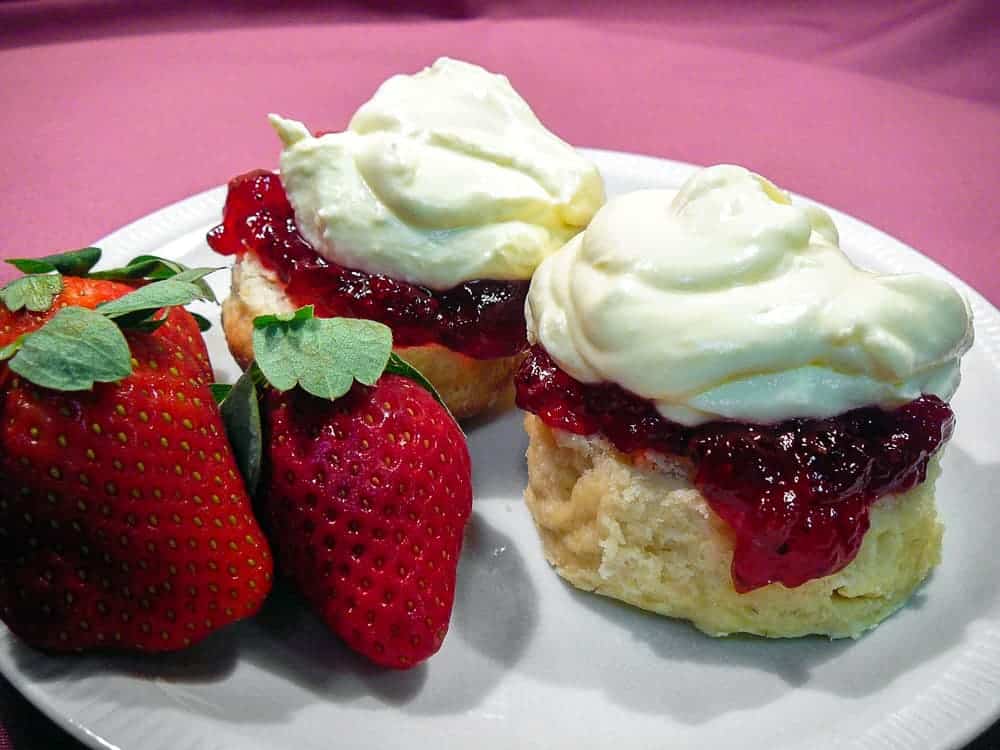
x=531, y=662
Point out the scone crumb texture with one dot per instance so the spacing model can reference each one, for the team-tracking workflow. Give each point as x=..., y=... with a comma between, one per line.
x=644, y=535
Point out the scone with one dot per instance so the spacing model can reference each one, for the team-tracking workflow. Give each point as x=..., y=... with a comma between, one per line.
x=429, y=214
x=468, y=385
x=729, y=422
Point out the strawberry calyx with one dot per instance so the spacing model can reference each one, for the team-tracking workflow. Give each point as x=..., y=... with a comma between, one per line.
x=42, y=282
x=155, y=268
x=71, y=263
x=239, y=407
x=322, y=356
x=141, y=309
x=34, y=293
x=78, y=347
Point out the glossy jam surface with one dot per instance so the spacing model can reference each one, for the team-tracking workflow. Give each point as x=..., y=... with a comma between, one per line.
x=796, y=494
x=482, y=319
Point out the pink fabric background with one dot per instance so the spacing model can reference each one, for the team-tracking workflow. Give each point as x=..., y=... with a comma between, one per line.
x=889, y=111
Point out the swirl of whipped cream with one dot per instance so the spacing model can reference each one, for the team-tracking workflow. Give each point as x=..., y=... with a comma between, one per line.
x=726, y=301
x=442, y=177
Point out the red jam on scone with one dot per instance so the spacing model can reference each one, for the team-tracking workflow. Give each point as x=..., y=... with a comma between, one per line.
x=429, y=214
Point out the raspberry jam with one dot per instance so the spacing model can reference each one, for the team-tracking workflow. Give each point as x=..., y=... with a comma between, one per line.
x=796, y=494
x=482, y=319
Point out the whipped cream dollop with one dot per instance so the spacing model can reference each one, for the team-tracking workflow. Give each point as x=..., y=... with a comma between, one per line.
x=726, y=301
x=442, y=177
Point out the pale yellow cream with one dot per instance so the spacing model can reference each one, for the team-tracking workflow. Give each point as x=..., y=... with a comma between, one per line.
x=727, y=301
x=442, y=177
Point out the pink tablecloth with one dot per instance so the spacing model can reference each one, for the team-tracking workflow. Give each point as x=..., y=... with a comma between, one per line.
x=890, y=114
x=889, y=111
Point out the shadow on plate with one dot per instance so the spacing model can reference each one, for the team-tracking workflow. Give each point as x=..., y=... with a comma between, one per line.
x=515, y=617
x=496, y=612
x=497, y=444
x=207, y=662
x=694, y=678
x=482, y=645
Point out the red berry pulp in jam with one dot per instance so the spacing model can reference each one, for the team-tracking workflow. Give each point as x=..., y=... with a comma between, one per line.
x=482, y=319
x=796, y=493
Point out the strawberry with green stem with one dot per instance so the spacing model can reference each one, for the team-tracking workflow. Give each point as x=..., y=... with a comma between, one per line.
x=365, y=484
x=124, y=523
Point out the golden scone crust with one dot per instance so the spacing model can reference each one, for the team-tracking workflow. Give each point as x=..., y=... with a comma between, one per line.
x=646, y=536
x=468, y=386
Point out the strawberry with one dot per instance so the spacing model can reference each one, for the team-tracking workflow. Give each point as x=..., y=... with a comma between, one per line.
x=366, y=485
x=123, y=521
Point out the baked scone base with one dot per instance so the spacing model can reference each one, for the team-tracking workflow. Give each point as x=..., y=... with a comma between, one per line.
x=468, y=386
x=644, y=535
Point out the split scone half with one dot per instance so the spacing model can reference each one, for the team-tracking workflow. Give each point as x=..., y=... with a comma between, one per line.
x=467, y=385
x=641, y=532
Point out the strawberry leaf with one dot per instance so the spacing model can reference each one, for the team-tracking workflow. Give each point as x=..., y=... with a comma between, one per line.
x=220, y=391
x=303, y=313
x=240, y=412
x=138, y=307
x=142, y=267
x=322, y=355
x=72, y=263
x=196, y=277
x=159, y=269
x=399, y=366
x=34, y=292
x=141, y=320
x=72, y=351
x=11, y=349
x=203, y=323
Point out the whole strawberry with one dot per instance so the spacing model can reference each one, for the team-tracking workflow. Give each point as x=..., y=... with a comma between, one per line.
x=365, y=491
x=123, y=521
